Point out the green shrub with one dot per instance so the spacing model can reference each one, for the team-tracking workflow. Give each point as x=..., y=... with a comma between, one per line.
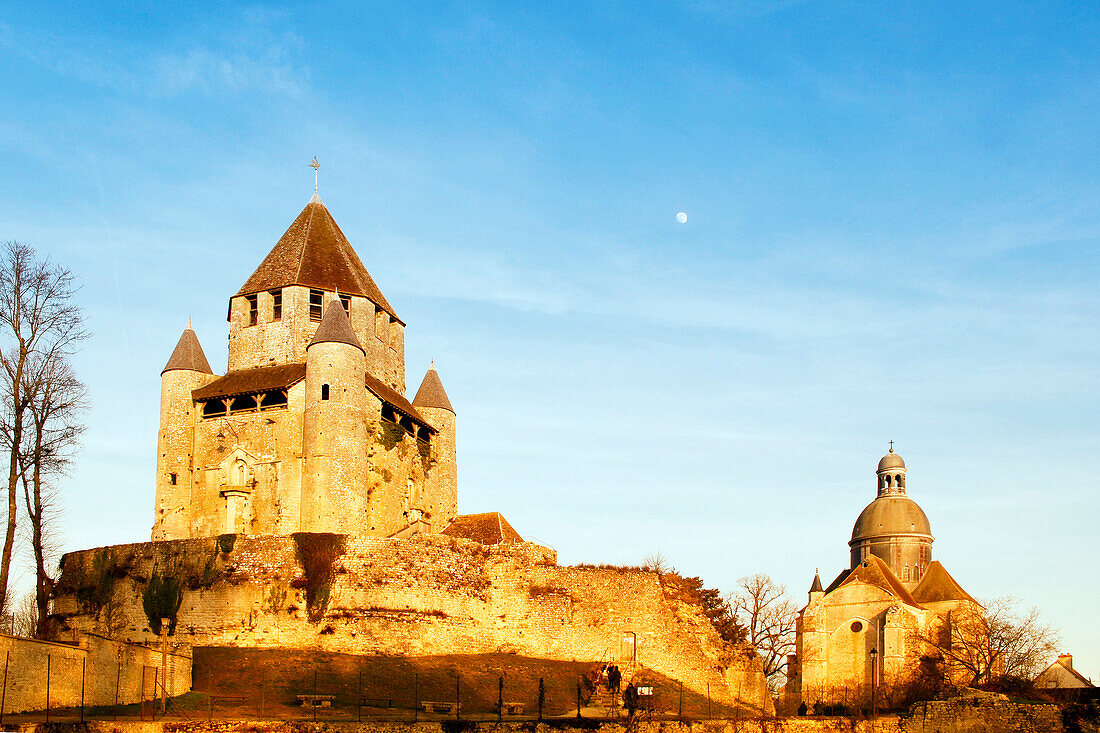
x=161, y=599
x=317, y=553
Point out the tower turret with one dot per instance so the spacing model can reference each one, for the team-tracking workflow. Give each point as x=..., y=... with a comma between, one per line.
x=893, y=527
x=816, y=591
x=334, y=495
x=442, y=489
x=187, y=369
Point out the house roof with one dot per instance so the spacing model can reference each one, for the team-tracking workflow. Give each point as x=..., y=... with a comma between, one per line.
x=315, y=253
x=251, y=381
x=431, y=392
x=938, y=585
x=188, y=355
x=1059, y=666
x=488, y=529
x=873, y=571
x=335, y=327
x=395, y=399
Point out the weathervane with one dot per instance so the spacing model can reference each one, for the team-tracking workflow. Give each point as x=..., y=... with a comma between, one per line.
x=314, y=165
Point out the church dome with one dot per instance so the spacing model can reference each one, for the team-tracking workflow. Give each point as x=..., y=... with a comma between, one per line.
x=890, y=461
x=893, y=514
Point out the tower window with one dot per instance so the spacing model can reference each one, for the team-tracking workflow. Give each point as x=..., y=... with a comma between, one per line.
x=324, y=391
x=253, y=309
x=346, y=301
x=172, y=479
x=316, y=305
x=276, y=305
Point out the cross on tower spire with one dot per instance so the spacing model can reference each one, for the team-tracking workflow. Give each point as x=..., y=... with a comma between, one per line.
x=315, y=165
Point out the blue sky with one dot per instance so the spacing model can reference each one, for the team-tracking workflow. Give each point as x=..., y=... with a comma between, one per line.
x=893, y=235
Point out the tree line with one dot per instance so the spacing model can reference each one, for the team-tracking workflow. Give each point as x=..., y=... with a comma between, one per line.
x=41, y=328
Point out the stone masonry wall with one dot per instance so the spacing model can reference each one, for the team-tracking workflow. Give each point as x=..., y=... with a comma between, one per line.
x=426, y=595
x=96, y=663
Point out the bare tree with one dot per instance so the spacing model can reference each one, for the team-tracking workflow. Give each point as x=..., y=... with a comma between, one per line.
x=987, y=643
x=39, y=320
x=768, y=616
x=56, y=401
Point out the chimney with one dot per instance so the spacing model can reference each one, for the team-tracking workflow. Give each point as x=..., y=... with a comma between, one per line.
x=1066, y=661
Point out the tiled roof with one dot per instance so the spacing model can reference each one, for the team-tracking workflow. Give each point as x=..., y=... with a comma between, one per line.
x=388, y=394
x=251, y=381
x=938, y=585
x=874, y=571
x=188, y=355
x=488, y=529
x=315, y=253
x=431, y=393
x=335, y=327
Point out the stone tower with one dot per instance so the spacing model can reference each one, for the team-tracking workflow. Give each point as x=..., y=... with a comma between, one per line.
x=186, y=370
x=309, y=429
x=432, y=402
x=893, y=527
x=334, y=431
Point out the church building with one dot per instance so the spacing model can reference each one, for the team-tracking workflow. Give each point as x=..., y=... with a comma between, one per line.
x=308, y=429
x=866, y=631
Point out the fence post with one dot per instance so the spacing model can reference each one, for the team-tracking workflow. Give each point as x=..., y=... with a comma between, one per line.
x=500, y=699
x=4, y=691
x=118, y=678
x=578, y=700
x=416, y=696
x=359, y=698
x=458, y=697
x=47, y=688
x=542, y=696
x=83, y=667
x=153, y=697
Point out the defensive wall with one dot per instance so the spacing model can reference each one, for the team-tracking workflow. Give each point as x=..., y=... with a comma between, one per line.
x=94, y=667
x=425, y=595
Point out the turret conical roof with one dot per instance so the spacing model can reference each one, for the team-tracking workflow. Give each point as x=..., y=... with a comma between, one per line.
x=816, y=587
x=431, y=392
x=315, y=253
x=335, y=327
x=188, y=355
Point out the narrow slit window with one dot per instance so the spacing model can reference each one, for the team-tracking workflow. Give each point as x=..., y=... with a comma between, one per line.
x=316, y=304
x=253, y=309
x=276, y=305
x=172, y=479
x=324, y=391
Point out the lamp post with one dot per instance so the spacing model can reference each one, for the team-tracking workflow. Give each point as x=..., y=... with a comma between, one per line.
x=874, y=656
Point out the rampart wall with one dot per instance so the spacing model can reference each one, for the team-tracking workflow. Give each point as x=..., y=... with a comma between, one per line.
x=425, y=595
x=99, y=665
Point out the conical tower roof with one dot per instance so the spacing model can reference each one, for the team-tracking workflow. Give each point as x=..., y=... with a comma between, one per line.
x=188, y=355
x=315, y=253
x=431, y=392
x=816, y=587
x=335, y=327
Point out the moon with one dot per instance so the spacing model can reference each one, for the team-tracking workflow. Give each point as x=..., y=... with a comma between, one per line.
x=682, y=217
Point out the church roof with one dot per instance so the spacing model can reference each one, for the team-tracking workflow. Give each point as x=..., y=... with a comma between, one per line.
x=488, y=529
x=431, y=392
x=938, y=585
x=890, y=515
x=873, y=571
x=396, y=400
x=251, y=381
x=188, y=355
x=315, y=253
x=335, y=327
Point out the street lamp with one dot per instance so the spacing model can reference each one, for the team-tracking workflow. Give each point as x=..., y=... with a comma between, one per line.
x=874, y=655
